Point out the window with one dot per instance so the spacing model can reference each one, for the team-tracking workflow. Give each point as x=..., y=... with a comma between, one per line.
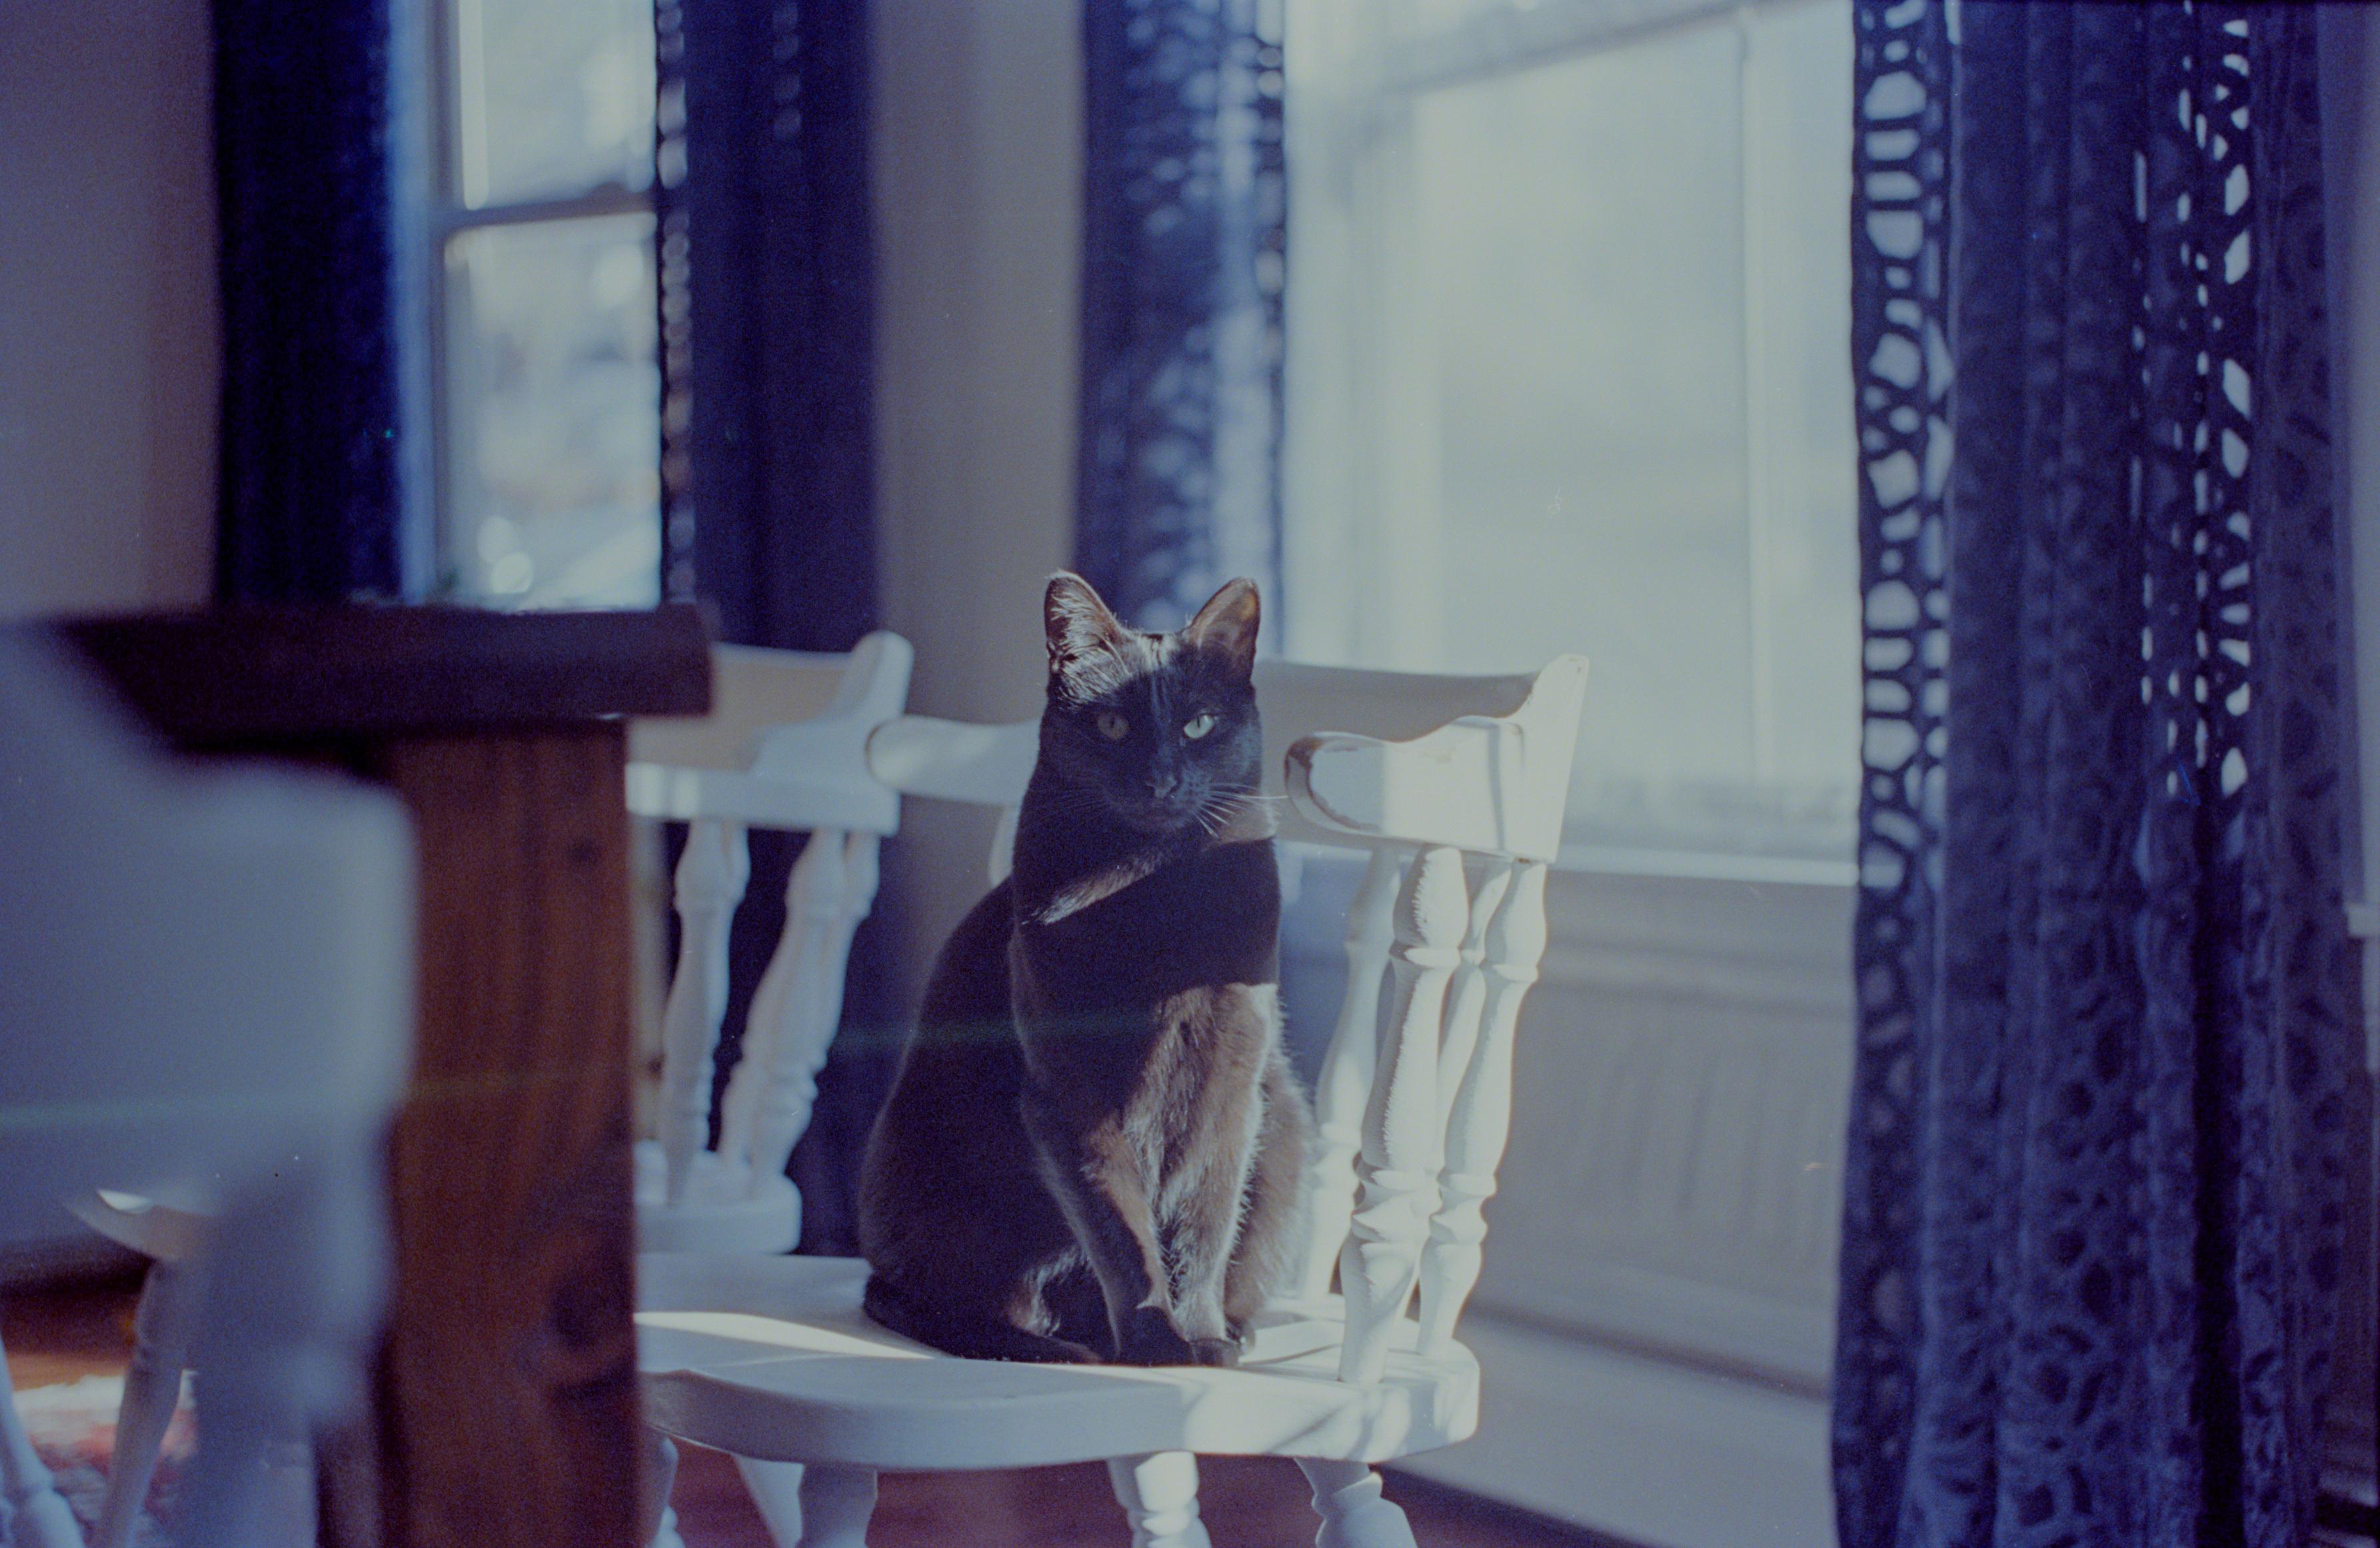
x=544, y=391
x=1567, y=306
x=1568, y=322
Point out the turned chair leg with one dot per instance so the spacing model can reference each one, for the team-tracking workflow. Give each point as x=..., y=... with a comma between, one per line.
x=1159, y=1495
x=836, y=1502
x=33, y=1513
x=776, y=1491
x=815, y=1505
x=1347, y=1497
x=657, y=1527
x=161, y=1352
x=286, y=1499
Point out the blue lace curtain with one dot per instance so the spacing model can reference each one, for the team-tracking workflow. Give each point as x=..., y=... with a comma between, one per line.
x=309, y=458
x=1178, y=486
x=767, y=271
x=2106, y=1004
x=768, y=309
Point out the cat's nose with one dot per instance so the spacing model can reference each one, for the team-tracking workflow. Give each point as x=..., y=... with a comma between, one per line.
x=1161, y=785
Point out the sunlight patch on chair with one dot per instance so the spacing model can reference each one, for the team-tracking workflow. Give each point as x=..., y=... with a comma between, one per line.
x=777, y=1334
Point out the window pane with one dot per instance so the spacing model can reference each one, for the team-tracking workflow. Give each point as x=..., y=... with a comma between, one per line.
x=553, y=414
x=552, y=97
x=1582, y=280
x=1567, y=373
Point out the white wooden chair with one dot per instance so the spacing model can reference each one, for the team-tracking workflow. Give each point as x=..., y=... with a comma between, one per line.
x=785, y=746
x=1456, y=787
x=171, y=1229
x=205, y=974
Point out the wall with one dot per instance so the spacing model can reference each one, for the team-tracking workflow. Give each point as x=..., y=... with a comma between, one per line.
x=978, y=172
x=107, y=305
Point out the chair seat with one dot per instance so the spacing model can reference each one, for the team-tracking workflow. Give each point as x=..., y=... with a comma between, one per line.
x=720, y=1212
x=772, y=1358
x=172, y=1222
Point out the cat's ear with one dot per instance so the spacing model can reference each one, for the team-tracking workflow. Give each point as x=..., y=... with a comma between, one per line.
x=1226, y=626
x=1079, y=627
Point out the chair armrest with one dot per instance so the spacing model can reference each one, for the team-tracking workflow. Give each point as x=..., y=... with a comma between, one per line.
x=1486, y=784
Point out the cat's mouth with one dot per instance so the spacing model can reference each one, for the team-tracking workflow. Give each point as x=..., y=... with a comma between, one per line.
x=1156, y=817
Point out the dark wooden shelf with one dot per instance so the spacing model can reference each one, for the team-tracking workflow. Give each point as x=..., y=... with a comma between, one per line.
x=262, y=675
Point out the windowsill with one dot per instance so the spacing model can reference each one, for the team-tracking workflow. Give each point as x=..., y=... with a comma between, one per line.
x=1662, y=863
x=1706, y=866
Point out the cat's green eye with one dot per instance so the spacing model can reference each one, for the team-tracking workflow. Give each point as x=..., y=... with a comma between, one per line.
x=1198, y=726
x=1112, y=726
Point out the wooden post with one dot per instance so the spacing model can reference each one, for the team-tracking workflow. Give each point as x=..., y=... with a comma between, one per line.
x=510, y=1411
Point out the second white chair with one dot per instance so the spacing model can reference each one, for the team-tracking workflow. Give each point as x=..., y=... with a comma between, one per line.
x=784, y=747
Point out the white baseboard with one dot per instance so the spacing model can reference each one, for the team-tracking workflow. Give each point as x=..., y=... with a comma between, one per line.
x=1654, y=1453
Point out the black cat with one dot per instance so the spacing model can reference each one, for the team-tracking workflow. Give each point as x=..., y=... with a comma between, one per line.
x=1092, y=1148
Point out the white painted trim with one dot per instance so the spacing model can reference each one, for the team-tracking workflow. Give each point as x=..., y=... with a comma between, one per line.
x=1492, y=41
x=1777, y=870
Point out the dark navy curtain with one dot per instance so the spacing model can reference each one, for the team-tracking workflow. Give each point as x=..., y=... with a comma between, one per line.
x=767, y=297
x=2106, y=1003
x=308, y=504
x=1178, y=483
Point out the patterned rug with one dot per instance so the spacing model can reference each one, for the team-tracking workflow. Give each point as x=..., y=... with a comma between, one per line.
x=72, y=1428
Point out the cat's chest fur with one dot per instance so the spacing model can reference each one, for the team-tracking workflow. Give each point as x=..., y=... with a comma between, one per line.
x=1210, y=916
x=1159, y=999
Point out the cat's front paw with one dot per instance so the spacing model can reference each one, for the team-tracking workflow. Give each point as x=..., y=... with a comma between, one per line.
x=1224, y=1352
x=1150, y=1338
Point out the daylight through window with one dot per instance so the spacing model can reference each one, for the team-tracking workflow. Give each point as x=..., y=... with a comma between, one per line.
x=545, y=384
x=1566, y=309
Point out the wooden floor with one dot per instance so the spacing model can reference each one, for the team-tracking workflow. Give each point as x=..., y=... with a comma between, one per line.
x=63, y=1335
x=1253, y=1500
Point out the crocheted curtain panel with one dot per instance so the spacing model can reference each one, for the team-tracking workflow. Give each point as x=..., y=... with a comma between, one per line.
x=767, y=296
x=1178, y=481
x=2108, y=1052
x=309, y=457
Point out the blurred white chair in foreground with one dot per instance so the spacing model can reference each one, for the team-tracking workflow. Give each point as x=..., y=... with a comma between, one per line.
x=171, y=1230
x=205, y=973
x=1457, y=788
x=783, y=747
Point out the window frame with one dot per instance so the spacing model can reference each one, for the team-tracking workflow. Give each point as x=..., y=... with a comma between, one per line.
x=445, y=214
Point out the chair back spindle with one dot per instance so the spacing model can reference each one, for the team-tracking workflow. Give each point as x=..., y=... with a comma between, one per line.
x=767, y=1108
x=1396, y=1162
x=1343, y=1088
x=711, y=879
x=1477, y=1084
